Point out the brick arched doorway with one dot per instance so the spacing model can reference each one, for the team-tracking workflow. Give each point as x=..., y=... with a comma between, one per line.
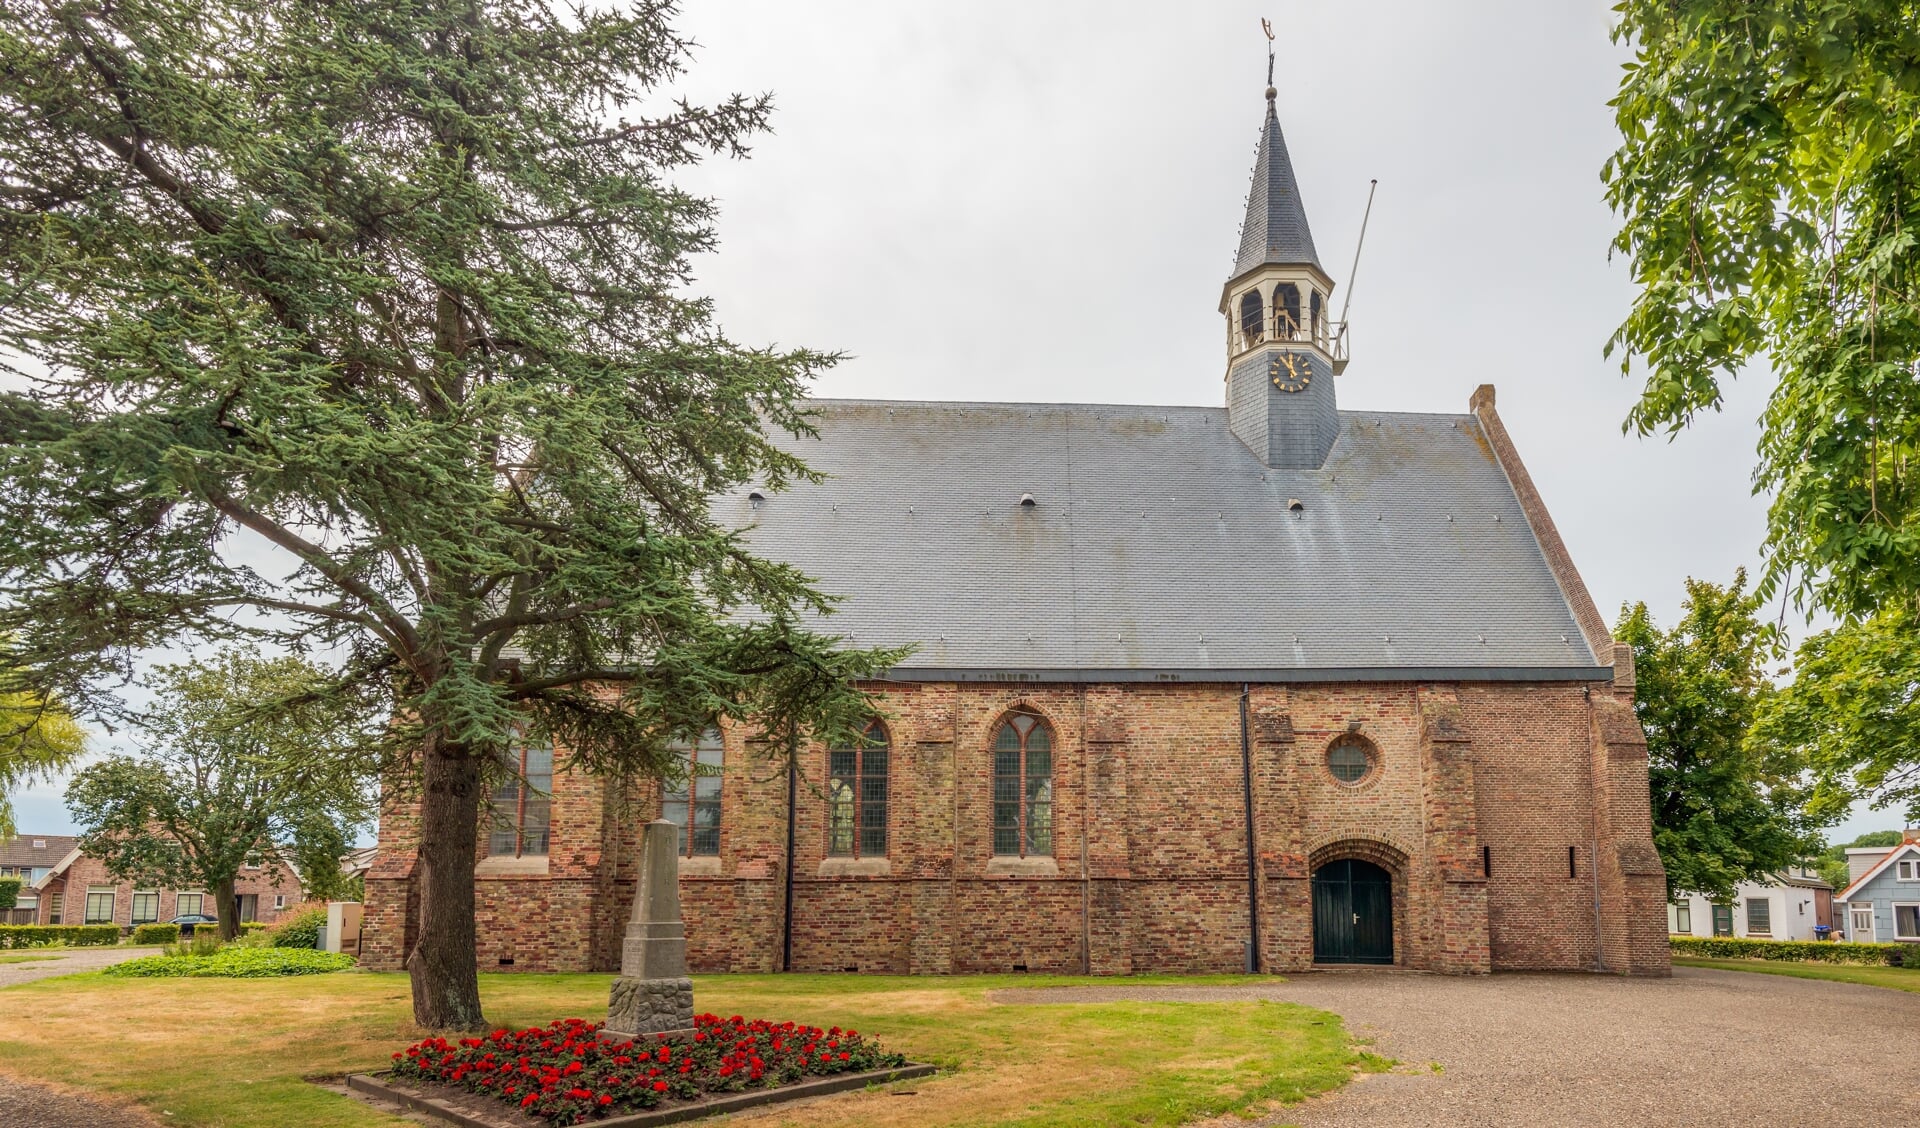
x=1352, y=913
x=1357, y=892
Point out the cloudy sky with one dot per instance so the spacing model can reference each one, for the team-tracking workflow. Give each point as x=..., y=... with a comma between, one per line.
x=1007, y=200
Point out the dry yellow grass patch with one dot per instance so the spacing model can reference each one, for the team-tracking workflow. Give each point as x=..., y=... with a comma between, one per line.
x=236, y=1053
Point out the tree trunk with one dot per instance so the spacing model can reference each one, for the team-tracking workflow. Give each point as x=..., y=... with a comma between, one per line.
x=225, y=908
x=443, y=964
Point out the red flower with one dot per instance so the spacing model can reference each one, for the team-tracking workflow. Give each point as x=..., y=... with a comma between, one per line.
x=659, y=1086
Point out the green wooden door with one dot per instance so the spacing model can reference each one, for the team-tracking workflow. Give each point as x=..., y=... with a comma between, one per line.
x=1352, y=913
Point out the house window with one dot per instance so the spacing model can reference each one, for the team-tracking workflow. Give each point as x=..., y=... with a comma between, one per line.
x=1683, y=918
x=1906, y=921
x=857, y=797
x=697, y=795
x=55, y=902
x=523, y=806
x=99, y=906
x=279, y=901
x=1759, y=916
x=1906, y=871
x=1250, y=316
x=1723, y=920
x=146, y=906
x=1023, y=787
x=187, y=904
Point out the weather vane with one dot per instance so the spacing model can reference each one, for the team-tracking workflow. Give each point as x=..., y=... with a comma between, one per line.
x=1267, y=26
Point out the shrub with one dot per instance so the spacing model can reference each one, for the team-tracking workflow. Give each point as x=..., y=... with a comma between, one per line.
x=252, y=926
x=42, y=935
x=1810, y=951
x=567, y=1071
x=301, y=930
x=156, y=933
x=233, y=962
x=9, y=892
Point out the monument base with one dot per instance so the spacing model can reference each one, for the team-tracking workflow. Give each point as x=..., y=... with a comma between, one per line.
x=649, y=1007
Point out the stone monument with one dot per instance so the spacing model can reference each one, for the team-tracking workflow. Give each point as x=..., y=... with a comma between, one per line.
x=653, y=994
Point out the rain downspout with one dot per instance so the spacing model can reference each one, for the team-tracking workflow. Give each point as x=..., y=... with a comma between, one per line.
x=786, y=920
x=1253, y=856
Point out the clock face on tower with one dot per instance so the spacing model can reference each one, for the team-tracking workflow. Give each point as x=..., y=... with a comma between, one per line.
x=1290, y=372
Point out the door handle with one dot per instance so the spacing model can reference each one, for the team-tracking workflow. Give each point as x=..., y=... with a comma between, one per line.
x=1356, y=918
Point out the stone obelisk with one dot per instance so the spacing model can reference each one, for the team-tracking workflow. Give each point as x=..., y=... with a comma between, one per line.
x=653, y=994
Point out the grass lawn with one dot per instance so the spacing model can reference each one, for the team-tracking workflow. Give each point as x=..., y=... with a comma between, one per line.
x=233, y=1053
x=1898, y=978
x=13, y=959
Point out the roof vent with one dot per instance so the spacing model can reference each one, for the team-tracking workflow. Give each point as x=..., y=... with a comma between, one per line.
x=755, y=498
x=39, y=844
x=1293, y=503
x=1027, y=502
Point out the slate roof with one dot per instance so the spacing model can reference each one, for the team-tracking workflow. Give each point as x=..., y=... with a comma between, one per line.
x=1159, y=547
x=1275, y=230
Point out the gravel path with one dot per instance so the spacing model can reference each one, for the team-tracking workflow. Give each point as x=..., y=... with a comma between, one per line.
x=66, y=961
x=25, y=1104
x=1705, y=1048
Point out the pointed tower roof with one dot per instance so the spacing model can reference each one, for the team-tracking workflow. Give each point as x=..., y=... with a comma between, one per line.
x=1276, y=227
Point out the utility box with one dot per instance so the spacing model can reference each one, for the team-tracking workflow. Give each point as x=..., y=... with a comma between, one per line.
x=343, y=927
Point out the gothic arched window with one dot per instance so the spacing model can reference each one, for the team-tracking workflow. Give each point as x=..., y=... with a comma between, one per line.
x=857, y=797
x=1023, y=786
x=693, y=804
x=1250, y=316
x=1286, y=311
x=522, y=806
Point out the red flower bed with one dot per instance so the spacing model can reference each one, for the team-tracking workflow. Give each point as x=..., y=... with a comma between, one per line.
x=568, y=1071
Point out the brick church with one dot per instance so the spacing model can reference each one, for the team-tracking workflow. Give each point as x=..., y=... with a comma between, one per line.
x=1258, y=686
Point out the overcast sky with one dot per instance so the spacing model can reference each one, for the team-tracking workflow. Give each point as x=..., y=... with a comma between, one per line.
x=1040, y=202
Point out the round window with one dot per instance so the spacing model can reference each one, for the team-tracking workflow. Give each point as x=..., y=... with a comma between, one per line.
x=1348, y=760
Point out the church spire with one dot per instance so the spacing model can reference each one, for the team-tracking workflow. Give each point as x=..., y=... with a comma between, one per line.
x=1275, y=231
x=1282, y=352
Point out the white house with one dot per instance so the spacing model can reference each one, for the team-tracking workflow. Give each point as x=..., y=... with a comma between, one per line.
x=1785, y=908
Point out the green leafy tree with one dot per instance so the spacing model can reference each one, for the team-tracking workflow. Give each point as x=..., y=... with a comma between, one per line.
x=240, y=766
x=397, y=293
x=38, y=741
x=1832, y=863
x=1768, y=185
x=1725, y=809
x=9, y=892
x=1853, y=712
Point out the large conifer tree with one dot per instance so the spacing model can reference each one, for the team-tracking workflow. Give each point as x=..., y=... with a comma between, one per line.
x=392, y=296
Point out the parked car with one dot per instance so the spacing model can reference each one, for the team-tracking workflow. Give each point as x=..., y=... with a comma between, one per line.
x=188, y=922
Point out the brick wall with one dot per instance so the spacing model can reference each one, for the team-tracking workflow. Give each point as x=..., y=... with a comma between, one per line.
x=1149, y=870
x=86, y=873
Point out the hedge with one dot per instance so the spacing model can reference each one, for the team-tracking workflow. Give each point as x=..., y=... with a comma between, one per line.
x=10, y=891
x=1810, y=951
x=78, y=935
x=301, y=930
x=155, y=933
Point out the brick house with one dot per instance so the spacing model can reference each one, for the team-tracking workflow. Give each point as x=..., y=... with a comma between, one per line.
x=1196, y=690
x=30, y=857
x=78, y=890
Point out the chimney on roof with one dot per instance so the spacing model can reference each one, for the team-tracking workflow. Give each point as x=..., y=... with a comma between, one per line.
x=1910, y=835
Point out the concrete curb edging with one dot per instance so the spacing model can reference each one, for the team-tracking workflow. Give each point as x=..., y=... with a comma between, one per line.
x=373, y=1085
